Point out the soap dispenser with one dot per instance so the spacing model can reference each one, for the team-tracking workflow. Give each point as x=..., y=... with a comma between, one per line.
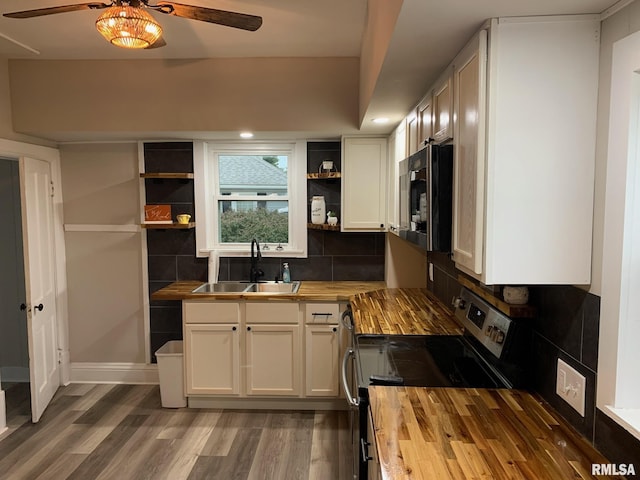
x=286, y=273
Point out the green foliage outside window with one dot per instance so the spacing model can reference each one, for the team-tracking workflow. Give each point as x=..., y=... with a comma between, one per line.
x=265, y=226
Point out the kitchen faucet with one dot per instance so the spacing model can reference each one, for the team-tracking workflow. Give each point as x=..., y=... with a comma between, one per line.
x=255, y=273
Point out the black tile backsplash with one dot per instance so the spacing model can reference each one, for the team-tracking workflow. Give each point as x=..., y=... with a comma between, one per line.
x=566, y=327
x=171, y=253
x=615, y=443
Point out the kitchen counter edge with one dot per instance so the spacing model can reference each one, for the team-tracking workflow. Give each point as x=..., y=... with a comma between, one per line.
x=340, y=291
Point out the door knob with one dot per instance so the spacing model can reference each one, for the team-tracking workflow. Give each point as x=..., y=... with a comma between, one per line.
x=39, y=307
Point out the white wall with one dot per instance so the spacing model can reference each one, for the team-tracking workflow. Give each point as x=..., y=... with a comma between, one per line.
x=6, y=123
x=106, y=313
x=134, y=98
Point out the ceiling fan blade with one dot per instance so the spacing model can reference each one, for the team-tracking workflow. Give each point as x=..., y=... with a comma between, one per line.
x=211, y=15
x=53, y=10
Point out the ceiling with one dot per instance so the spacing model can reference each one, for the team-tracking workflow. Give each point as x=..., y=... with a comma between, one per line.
x=427, y=36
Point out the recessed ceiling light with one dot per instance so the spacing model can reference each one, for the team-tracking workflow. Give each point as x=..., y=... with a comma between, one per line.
x=246, y=135
x=381, y=120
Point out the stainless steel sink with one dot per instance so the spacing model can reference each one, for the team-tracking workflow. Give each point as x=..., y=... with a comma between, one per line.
x=223, y=287
x=247, y=287
x=273, y=287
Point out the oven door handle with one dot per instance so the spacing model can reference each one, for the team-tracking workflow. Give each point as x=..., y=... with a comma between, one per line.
x=354, y=402
x=347, y=319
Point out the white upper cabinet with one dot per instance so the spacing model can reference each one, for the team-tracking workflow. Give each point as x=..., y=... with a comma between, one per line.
x=364, y=184
x=469, y=131
x=525, y=154
x=425, y=120
x=442, y=126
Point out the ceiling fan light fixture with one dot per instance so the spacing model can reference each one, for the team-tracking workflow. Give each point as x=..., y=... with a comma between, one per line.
x=128, y=27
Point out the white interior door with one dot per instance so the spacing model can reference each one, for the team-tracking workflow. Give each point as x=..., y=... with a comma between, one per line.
x=39, y=258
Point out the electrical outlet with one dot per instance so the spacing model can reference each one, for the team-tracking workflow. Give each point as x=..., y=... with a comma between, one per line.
x=570, y=385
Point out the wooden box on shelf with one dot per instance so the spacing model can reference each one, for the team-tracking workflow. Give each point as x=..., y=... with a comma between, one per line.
x=157, y=214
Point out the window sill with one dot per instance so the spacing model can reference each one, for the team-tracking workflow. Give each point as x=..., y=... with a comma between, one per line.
x=247, y=253
x=628, y=418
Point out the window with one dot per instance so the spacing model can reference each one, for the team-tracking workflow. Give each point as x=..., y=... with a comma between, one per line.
x=618, y=389
x=247, y=191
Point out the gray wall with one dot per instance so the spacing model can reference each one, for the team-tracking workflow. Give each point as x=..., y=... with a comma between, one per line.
x=14, y=355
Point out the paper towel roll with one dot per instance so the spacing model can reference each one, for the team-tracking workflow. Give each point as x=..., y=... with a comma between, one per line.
x=214, y=266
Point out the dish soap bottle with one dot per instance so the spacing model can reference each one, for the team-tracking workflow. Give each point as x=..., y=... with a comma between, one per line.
x=286, y=273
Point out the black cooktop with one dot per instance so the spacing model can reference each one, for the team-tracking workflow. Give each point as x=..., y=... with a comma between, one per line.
x=424, y=361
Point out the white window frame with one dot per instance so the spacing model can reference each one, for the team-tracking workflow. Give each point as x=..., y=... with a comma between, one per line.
x=206, y=207
x=618, y=388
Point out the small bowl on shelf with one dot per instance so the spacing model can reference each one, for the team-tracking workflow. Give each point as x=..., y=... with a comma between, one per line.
x=183, y=218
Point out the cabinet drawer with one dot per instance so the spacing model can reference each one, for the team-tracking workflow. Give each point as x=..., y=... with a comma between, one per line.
x=322, y=313
x=272, y=312
x=211, y=312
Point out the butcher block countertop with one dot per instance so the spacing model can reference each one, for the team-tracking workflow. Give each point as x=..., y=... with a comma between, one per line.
x=402, y=311
x=308, y=291
x=451, y=433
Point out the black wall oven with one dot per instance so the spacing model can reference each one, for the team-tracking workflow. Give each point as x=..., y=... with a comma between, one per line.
x=426, y=196
x=490, y=354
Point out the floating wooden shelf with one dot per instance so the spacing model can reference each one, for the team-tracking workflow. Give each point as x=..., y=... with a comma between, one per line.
x=322, y=176
x=166, y=175
x=515, y=311
x=164, y=226
x=324, y=226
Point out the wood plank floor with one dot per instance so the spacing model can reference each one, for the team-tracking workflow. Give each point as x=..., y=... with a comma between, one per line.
x=121, y=432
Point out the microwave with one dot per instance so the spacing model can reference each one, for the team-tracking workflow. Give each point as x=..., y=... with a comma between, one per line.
x=426, y=198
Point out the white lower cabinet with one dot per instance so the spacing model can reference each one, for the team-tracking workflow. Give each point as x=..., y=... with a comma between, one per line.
x=262, y=349
x=273, y=360
x=213, y=364
x=322, y=352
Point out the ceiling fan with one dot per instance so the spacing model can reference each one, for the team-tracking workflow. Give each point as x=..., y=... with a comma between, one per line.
x=126, y=24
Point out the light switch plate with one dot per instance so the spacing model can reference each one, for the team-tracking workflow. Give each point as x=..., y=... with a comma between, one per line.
x=570, y=386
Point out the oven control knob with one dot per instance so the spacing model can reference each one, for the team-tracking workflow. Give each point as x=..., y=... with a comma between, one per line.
x=459, y=303
x=488, y=331
x=499, y=336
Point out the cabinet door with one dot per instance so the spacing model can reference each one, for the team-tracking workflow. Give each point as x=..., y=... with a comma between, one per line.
x=413, y=138
x=469, y=156
x=425, y=121
x=273, y=360
x=322, y=360
x=443, y=109
x=212, y=359
x=364, y=185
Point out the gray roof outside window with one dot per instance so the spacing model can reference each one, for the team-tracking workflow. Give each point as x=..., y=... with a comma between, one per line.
x=250, y=172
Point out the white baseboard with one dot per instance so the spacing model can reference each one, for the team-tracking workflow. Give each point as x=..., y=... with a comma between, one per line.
x=15, y=374
x=132, y=373
x=3, y=412
x=268, y=403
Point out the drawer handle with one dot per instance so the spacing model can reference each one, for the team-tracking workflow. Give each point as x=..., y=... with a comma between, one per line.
x=334, y=329
x=234, y=328
x=248, y=329
x=323, y=314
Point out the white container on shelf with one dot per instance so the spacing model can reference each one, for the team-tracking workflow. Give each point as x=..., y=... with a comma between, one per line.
x=318, y=210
